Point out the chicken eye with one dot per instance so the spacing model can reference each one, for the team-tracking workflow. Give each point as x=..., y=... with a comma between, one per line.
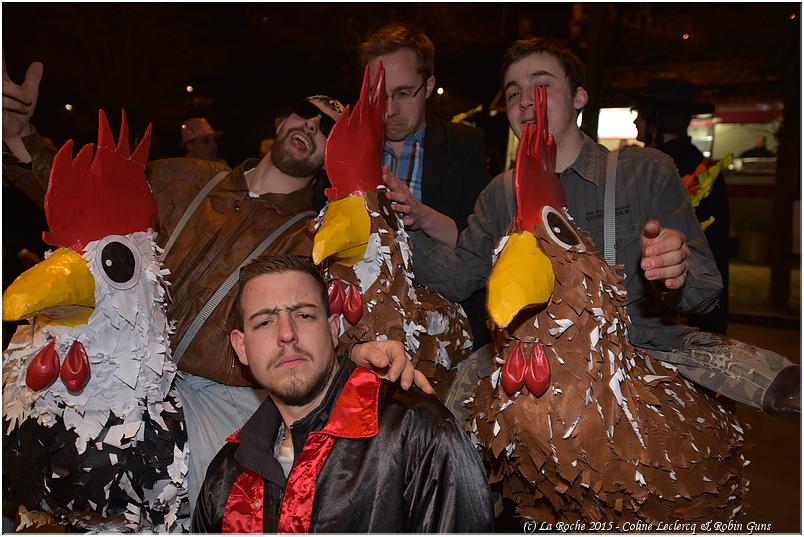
x=560, y=230
x=119, y=262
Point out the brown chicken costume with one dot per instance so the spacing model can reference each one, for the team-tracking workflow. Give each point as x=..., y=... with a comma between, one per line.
x=367, y=256
x=577, y=424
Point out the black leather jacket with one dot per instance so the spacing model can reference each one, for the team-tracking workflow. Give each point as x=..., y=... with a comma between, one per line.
x=419, y=473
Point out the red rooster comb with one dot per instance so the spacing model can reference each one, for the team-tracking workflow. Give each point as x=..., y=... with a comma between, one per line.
x=90, y=197
x=353, y=158
x=536, y=183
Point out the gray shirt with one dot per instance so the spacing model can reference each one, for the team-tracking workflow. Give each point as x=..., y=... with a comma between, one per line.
x=648, y=186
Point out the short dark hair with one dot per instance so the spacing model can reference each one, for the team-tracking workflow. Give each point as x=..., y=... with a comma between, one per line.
x=572, y=65
x=395, y=36
x=664, y=118
x=277, y=264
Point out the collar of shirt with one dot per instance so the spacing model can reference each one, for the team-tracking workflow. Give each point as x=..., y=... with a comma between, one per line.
x=410, y=139
x=284, y=204
x=258, y=435
x=408, y=166
x=591, y=162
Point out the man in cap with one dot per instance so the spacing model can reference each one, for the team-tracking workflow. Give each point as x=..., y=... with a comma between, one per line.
x=665, y=110
x=199, y=139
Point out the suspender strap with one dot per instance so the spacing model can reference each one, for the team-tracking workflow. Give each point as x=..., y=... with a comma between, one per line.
x=227, y=285
x=190, y=210
x=609, y=247
x=508, y=181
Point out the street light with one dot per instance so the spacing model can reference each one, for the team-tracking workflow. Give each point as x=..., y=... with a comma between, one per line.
x=189, y=89
x=68, y=107
x=440, y=91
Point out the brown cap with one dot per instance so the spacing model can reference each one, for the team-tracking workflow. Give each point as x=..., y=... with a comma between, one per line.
x=196, y=127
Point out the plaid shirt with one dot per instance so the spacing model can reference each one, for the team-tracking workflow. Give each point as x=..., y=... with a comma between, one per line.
x=409, y=164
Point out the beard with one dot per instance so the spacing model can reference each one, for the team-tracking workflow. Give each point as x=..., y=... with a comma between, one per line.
x=298, y=391
x=287, y=160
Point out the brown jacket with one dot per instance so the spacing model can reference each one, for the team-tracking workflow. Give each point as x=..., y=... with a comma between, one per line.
x=30, y=178
x=222, y=232
x=227, y=226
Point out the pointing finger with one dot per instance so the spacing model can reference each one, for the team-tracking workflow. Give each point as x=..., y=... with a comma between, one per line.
x=33, y=76
x=422, y=383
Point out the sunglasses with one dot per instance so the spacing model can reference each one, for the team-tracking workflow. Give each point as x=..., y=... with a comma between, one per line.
x=307, y=110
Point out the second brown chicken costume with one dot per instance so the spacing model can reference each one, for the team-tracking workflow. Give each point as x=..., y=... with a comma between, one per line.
x=366, y=249
x=575, y=422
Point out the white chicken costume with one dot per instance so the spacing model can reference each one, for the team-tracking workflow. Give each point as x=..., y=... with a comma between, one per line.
x=93, y=433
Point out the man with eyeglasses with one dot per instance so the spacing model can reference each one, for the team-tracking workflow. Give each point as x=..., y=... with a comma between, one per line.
x=436, y=168
x=211, y=221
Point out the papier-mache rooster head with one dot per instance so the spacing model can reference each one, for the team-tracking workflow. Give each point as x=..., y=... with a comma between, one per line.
x=93, y=196
x=88, y=198
x=523, y=275
x=536, y=183
x=353, y=158
x=353, y=161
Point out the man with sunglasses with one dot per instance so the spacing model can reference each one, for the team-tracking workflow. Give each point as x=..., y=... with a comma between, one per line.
x=211, y=221
x=436, y=168
x=244, y=208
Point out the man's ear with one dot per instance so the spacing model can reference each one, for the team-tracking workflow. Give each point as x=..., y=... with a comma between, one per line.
x=580, y=99
x=429, y=86
x=335, y=328
x=238, y=341
x=281, y=128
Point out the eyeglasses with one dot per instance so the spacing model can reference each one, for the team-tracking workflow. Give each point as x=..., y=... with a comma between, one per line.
x=307, y=110
x=405, y=96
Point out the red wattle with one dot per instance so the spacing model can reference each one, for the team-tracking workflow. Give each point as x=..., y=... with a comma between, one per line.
x=44, y=368
x=537, y=372
x=512, y=376
x=353, y=305
x=75, y=371
x=335, y=292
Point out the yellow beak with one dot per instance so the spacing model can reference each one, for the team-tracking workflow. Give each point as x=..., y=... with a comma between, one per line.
x=344, y=233
x=523, y=276
x=61, y=287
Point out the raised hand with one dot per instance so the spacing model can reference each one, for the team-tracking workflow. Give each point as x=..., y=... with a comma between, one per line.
x=412, y=211
x=388, y=360
x=664, y=254
x=417, y=215
x=19, y=101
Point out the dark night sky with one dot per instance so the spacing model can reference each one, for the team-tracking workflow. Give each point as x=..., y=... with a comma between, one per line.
x=245, y=60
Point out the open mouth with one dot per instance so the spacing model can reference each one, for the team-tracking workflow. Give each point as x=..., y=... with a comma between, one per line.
x=300, y=142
